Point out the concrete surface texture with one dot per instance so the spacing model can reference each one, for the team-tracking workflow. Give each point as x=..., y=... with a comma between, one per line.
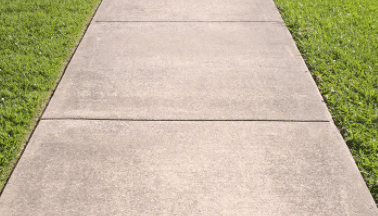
x=188, y=71
x=188, y=10
x=79, y=167
x=186, y=108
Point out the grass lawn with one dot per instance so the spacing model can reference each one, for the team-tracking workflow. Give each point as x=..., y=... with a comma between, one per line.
x=37, y=38
x=339, y=41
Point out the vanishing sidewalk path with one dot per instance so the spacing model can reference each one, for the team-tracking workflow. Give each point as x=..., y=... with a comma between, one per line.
x=186, y=107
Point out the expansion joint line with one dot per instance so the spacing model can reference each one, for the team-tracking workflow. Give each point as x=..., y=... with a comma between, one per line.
x=183, y=120
x=188, y=21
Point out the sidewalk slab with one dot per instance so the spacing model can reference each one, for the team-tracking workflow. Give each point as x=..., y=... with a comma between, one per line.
x=186, y=71
x=186, y=168
x=188, y=10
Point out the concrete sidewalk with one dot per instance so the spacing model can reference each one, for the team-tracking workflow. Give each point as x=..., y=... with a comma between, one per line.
x=187, y=107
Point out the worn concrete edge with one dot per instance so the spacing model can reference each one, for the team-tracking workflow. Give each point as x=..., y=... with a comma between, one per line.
x=346, y=148
x=46, y=104
x=308, y=74
x=355, y=166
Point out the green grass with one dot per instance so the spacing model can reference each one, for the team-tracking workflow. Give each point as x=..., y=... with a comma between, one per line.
x=37, y=38
x=339, y=41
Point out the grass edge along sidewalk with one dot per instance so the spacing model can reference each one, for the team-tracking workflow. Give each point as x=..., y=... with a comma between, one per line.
x=339, y=42
x=37, y=39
